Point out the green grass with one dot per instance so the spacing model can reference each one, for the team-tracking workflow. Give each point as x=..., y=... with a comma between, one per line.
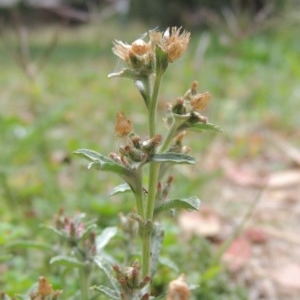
x=72, y=104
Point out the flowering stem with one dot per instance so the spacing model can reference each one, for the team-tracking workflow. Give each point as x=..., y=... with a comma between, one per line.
x=83, y=282
x=153, y=175
x=153, y=106
x=146, y=256
x=169, y=138
x=139, y=197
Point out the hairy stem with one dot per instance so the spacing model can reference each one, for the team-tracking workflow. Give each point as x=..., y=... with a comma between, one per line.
x=153, y=106
x=83, y=282
x=153, y=176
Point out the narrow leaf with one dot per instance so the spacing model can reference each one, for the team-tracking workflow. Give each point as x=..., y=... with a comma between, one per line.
x=200, y=127
x=161, y=60
x=172, y=157
x=127, y=73
x=112, y=294
x=28, y=244
x=102, y=162
x=156, y=245
x=192, y=203
x=169, y=263
x=54, y=230
x=93, y=155
x=160, y=297
x=107, y=269
x=102, y=240
x=66, y=261
x=122, y=188
x=88, y=229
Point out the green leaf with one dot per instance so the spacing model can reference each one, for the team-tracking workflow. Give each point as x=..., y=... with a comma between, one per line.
x=103, y=239
x=98, y=160
x=161, y=60
x=173, y=157
x=160, y=297
x=88, y=229
x=192, y=203
x=5, y=297
x=169, y=263
x=21, y=297
x=122, y=188
x=29, y=244
x=127, y=73
x=156, y=245
x=200, y=127
x=143, y=85
x=66, y=261
x=106, y=164
x=112, y=294
x=107, y=269
x=54, y=230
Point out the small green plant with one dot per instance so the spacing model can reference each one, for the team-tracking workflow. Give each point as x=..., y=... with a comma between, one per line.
x=144, y=163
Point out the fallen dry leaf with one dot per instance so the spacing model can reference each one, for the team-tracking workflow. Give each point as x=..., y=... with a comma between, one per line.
x=205, y=222
x=287, y=148
x=241, y=175
x=288, y=276
x=237, y=255
x=256, y=235
x=284, y=179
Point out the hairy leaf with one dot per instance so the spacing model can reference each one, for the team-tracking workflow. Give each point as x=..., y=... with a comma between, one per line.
x=107, y=269
x=112, y=294
x=200, y=127
x=66, y=261
x=173, y=157
x=122, y=188
x=30, y=244
x=106, y=164
x=156, y=245
x=192, y=203
x=103, y=239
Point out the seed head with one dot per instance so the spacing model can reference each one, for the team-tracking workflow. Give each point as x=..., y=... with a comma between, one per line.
x=174, y=42
x=199, y=102
x=123, y=126
x=178, y=289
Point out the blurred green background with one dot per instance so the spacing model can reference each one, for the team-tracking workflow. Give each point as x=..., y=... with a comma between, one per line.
x=55, y=97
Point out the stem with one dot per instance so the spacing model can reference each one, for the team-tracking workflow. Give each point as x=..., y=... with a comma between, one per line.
x=146, y=244
x=168, y=139
x=153, y=176
x=83, y=275
x=83, y=282
x=139, y=198
x=153, y=106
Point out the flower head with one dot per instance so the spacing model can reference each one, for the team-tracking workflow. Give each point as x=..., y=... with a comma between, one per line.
x=174, y=42
x=178, y=289
x=123, y=126
x=139, y=55
x=199, y=102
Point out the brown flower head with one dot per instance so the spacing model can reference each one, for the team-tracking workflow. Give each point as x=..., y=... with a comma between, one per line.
x=138, y=55
x=44, y=287
x=178, y=289
x=199, y=102
x=123, y=126
x=174, y=42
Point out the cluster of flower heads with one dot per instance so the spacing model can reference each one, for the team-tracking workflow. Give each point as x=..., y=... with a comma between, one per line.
x=132, y=282
x=44, y=290
x=140, y=55
x=186, y=111
x=134, y=149
x=76, y=232
x=182, y=114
